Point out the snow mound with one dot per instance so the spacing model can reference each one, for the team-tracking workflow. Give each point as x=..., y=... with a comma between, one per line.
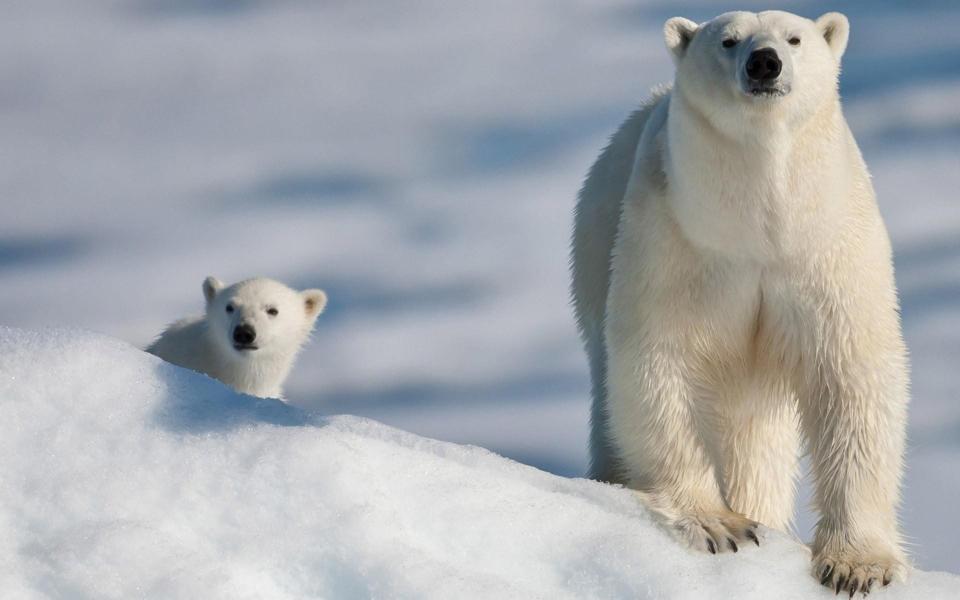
x=122, y=476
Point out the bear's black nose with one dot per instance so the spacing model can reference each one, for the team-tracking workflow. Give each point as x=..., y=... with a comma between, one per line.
x=244, y=334
x=763, y=65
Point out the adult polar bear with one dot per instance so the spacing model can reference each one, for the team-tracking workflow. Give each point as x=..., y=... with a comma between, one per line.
x=731, y=273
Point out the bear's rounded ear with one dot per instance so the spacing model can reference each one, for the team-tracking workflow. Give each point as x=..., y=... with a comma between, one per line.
x=678, y=33
x=211, y=287
x=835, y=28
x=314, y=301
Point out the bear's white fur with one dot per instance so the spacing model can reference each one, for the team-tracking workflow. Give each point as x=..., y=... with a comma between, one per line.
x=279, y=318
x=733, y=283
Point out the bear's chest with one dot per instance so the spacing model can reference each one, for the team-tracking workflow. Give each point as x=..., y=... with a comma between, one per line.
x=759, y=210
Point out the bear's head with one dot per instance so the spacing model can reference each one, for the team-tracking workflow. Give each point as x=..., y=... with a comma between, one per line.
x=260, y=317
x=741, y=68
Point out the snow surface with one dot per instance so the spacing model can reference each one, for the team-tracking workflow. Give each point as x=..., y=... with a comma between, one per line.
x=419, y=160
x=123, y=476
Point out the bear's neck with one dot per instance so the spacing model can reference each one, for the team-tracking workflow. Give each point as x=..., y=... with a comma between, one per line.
x=758, y=193
x=257, y=375
x=263, y=376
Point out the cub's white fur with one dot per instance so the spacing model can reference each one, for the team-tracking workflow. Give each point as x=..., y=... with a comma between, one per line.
x=733, y=283
x=270, y=320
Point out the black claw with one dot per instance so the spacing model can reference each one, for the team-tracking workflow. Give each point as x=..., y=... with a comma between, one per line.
x=753, y=536
x=840, y=583
x=869, y=585
x=825, y=574
x=711, y=546
x=733, y=544
x=854, y=586
x=886, y=580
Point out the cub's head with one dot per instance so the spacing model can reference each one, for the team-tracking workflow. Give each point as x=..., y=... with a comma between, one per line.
x=741, y=65
x=260, y=317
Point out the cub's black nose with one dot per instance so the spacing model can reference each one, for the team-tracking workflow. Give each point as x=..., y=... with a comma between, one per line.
x=244, y=334
x=763, y=65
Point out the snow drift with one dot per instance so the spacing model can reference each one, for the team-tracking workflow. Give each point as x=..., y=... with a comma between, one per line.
x=122, y=476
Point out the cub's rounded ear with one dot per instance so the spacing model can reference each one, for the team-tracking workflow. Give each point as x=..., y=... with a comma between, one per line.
x=314, y=301
x=835, y=28
x=211, y=287
x=678, y=33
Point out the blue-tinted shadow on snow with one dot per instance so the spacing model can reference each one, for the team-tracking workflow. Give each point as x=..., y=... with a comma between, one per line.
x=869, y=72
x=354, y=297
x=317, y=188
x=936, y=293
x=197, y=404
x=919, y=300
x=35, y=251
x=932, y=251
x=901, y=139
x=524, y=390
x=500, y=146
x=544, y=460
x=193, y=8
x=525, y=386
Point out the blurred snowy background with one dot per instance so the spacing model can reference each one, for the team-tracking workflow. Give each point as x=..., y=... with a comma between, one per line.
x=419, y=161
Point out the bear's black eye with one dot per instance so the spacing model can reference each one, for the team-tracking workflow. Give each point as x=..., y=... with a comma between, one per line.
x=730, y=43
x=794, y=41
x=273, y=312
x=229, y=308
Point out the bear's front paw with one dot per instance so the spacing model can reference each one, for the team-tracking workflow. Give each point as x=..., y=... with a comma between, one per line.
x=717, y=531
x=853, y=572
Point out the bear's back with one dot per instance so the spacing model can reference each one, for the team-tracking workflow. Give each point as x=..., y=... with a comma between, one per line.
x=185, y=344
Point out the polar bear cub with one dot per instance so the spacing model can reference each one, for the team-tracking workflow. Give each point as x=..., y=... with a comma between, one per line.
x=248, y=338
x=733, y=284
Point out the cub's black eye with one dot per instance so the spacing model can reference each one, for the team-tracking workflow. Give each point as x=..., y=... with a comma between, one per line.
x=794, y=41
x=273, y=312
x=229, y=308
x=730, y=43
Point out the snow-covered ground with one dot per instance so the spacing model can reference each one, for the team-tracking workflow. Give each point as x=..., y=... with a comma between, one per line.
x=419, y=160
x=126, y=477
